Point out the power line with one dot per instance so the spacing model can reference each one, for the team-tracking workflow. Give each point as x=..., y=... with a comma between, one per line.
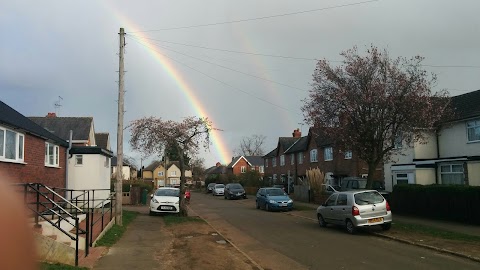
x=231, y=69
x=215, y=79
x=259, y=18
x=285, y=56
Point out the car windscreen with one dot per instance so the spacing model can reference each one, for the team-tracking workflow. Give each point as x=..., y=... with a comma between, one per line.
x=219, y=186
x=370, y=197
x=236, y=186
x=168, y=192
x=275, y=192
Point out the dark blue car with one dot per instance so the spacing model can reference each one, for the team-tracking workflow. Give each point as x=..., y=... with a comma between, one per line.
x=273, y=199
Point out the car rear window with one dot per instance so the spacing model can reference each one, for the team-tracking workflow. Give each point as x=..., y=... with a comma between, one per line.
x=369, y=197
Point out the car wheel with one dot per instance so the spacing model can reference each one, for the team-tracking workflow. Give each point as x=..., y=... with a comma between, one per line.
x=350, y=227
x=257, y=205
x=321, y=221
x=386, y=226
x=267, y=208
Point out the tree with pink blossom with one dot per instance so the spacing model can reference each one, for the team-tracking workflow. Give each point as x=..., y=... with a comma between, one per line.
x=370, y=102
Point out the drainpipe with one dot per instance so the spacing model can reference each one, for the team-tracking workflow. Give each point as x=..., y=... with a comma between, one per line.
x=67, y=154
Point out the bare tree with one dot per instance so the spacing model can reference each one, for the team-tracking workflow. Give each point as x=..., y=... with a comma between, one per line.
x=370, y=102
x=151, y=135
x=251, y=146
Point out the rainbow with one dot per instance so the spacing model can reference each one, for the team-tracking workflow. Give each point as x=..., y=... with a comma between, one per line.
x=222, y=152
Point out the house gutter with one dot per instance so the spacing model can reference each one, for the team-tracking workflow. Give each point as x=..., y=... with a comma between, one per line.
x=67, y=154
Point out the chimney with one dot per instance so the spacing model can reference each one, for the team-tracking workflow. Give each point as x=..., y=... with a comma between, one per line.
x=51, y=115
x=296, y=133
x=218, y=164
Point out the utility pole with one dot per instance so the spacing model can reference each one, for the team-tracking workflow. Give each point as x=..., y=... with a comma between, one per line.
x=118, y=187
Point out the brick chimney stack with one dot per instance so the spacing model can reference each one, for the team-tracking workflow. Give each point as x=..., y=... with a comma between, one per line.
x=218, y=164
x=51, y=115
x=297, y=133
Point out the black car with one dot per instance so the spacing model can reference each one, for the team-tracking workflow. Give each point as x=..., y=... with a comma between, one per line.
x=210, y=187
x=234, y=191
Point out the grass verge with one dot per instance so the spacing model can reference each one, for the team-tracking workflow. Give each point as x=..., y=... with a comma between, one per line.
x=57, y=266
x=435, y=232
x=173, y=220
x=116, y=232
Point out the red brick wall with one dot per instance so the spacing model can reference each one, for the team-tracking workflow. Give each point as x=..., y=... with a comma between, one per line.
x=34, y=171
x=237, y=169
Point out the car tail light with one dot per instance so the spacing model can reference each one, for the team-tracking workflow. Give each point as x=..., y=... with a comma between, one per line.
x=355, y=211
x=388, y=206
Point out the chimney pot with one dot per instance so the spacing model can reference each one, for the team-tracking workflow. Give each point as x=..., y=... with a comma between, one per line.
x=297, y=133
x=51, y=114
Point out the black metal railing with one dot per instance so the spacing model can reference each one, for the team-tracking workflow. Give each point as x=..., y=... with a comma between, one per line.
x=57, y=205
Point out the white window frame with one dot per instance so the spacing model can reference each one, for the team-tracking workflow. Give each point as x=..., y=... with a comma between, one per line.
x=282, y=160
x=314, y=155
x=76, y=160
x=300, y=158
x=274, y=161
x=19, y=146
x=451, y=172
x=473, y=125
x=292, y=159
x=56, y=156
x=160, y=173
x=173, y=173
x=243, y=169
x=266, y=162
x=328, y=153
x=348, y=154
x=398, y=144
x=260, y=169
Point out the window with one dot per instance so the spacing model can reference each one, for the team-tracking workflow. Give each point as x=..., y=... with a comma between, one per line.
x=160, y=173
x=78, y=159
x=253, y=168
x=52, y=154
x=266, y=162
x=402, y=178
x=292, y=159
x=173, y=173
x=473, y=130
x=11, y=145
x=275, y=178
x=243, y=169
x=328, y=153
x=313, y=155
x=452, y=174
x=331, y=200
x=398, y=142
x=282, y=160
x=342, y=199
x=260, y=169
x=348, y=154
x=300, y=158
x=274, y=161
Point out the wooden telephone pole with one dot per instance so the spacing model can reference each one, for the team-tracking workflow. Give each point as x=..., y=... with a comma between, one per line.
x=118, y=186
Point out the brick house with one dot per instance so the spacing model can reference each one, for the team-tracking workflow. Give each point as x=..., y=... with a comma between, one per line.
x=289, y=162
x=28, y=152
x=242, y=164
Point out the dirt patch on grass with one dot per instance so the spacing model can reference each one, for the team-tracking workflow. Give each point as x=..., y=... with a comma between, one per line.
x=471, y=249
x=197, y=246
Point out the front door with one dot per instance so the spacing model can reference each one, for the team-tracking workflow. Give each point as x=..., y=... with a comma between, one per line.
x=404, y=178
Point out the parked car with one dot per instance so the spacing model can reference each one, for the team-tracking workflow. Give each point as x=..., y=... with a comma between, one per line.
x=354, y=209
x=234, y=191
x=210, y=187
x=218, y=189
x=357, y=183
x=273, y=199
x=165, y=200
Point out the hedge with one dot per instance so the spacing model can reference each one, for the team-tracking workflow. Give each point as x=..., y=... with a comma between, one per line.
x=446, y=202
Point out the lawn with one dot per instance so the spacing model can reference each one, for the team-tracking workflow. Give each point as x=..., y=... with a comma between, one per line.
x=173, y=219
x=116, y=232
x=434, y=232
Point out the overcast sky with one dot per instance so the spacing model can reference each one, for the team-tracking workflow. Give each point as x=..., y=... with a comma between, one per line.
x=69, y=49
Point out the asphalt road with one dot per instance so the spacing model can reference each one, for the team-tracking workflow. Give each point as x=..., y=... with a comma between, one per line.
x=277, y=240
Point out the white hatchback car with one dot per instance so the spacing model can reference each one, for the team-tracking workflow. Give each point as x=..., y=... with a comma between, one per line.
x=218, y=190
x=165, y=200
x=354, y=209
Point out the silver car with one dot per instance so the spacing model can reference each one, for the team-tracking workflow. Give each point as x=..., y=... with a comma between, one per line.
x=354, y=209
x=218, y=190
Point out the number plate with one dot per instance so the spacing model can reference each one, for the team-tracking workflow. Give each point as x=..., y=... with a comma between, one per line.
x=165, y=207
x=283, y=204
x=375, y=220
